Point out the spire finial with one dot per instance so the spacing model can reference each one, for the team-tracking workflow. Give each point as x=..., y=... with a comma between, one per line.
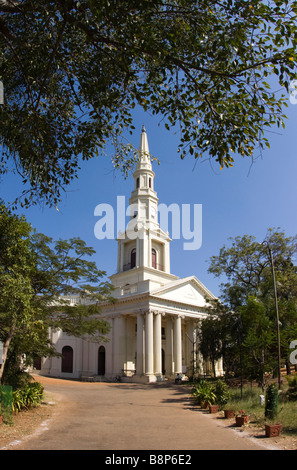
x=143, y=147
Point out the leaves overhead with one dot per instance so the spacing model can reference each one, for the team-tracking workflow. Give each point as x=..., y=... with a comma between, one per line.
x=73, y=71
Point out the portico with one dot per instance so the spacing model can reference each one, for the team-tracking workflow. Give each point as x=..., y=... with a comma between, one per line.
x=154, y=350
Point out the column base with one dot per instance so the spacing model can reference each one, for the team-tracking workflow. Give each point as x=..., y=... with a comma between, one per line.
x=151, y=378
x=145, y=378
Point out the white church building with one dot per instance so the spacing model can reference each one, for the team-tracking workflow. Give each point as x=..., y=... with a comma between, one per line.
x=154, y=331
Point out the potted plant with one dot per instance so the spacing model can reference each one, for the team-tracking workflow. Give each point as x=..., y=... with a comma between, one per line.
x=241, y=418
x=229, y=414
x=222, y=394
x=204, y=394
x=213, y=408
x=272, y=429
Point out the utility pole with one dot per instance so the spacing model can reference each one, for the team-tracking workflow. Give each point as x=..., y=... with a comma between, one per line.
x=276, y=313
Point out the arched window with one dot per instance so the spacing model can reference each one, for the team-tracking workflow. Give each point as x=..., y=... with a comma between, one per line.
x=133, y=258
x=137, y=183
x=154, y=259
x=67, y=359
x=101, y=360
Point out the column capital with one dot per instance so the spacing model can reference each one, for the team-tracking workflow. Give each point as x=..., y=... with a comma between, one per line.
x=157, y=312
x=139, y=312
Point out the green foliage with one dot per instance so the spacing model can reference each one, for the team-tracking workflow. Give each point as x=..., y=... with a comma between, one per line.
x=6, y=402
x=271, y=401
x=210, y=343
x=27, y=397
x=207, y=393
x=204, y=394
x=73, y=73
x=292, y=390
x=222, y=392
x=244, y=323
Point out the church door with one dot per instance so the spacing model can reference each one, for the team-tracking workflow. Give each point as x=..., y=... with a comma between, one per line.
x=67, y=359
x=101, y=360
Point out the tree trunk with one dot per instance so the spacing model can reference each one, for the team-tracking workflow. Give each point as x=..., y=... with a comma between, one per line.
x=5, y=350
x=288, y=367
x=214, y=367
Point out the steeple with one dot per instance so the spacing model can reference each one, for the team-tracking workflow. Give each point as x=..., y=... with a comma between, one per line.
x=144, y=153
x=143, y=250
x=143, y=198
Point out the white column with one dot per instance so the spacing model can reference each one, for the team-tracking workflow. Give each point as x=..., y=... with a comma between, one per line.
x=177, y=345
x=157, y=344
x=137, y=252
x=149, y=252
x=122, y=246
x=149, y=343
x=140, y=344
x=119, y=346
x=169, y=348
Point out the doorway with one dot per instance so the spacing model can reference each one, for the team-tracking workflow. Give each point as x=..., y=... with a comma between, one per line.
x=67, y=359
x=101, y=360
x=163, y=362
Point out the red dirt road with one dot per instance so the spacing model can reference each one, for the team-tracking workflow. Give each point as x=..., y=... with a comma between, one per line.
x=102, y=416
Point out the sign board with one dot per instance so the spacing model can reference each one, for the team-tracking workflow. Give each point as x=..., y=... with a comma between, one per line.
x=1, y=352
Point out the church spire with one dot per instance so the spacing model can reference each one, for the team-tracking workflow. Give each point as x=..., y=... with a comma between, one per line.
x=144, y=245
x=144, y=153
x=143, y=174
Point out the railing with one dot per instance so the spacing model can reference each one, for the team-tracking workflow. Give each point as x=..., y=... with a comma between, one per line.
x=158, y=266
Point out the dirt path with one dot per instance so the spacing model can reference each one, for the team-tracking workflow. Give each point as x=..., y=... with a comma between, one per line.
x=99, y=416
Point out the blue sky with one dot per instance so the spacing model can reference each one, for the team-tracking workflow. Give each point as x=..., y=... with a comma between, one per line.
x=245, y=199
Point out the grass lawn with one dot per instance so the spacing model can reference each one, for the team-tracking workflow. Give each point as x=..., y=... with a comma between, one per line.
x=250, y=403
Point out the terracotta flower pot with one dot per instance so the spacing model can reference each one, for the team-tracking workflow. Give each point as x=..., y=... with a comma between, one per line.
x=241, y=420
x=213, y=408
x=229, y=414
x=272, y=430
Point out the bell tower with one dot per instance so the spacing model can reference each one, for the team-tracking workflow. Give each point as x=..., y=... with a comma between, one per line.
x=143, y=250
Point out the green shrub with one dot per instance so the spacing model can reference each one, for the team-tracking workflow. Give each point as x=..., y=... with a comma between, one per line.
x=6, y=402
x=292, y=390
x=222, y=393
x=271, y=401
x=26, y=397
x=203, y=393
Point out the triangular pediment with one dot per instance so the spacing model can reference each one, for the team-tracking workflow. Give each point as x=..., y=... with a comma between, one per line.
x=187, y=290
